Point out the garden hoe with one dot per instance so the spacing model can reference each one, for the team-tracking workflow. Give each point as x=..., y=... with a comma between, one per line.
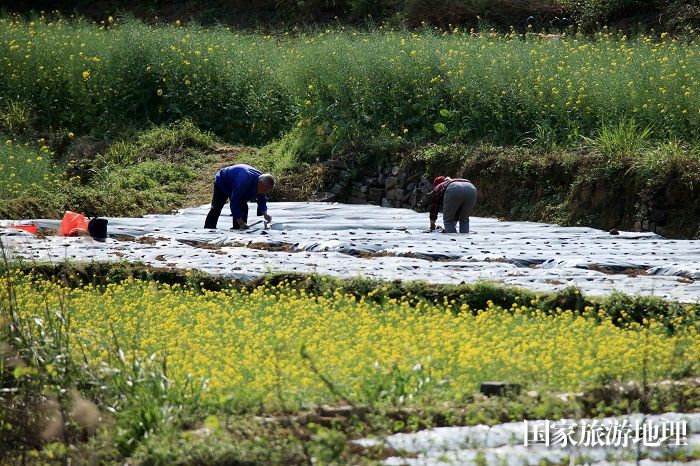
x=274, y=226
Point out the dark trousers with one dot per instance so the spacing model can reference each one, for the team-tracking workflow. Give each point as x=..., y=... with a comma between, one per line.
x=218, y=201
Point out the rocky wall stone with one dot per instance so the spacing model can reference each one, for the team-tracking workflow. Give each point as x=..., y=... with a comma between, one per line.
x=389, y=186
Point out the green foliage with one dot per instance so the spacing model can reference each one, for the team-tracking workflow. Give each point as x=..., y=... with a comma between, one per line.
x=624, y=309
x=135, y=190
x=29, y=180
x=590, y=13
x=327, y=445
x=484, y=14
x=293, y=148
x=546, y=139
x=165, y=143
x=150, y=176
x=106, y=81
x=348, y=90
x=667, y=161
x=150, y=172
x=422, y=88
x=396, y=386
x=23, y=166
x=246, y=445
x=625, y=139
x=15, y=117
x=145, y=401
x=181, y=142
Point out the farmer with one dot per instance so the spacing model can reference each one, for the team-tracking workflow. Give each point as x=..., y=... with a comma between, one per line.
x=456, y=197
x=239, y=184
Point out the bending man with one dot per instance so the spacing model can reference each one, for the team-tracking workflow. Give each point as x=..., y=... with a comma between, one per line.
x=239, y=184
x=456, y=198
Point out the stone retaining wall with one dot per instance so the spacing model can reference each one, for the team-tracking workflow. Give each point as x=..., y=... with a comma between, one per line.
x=389, y=186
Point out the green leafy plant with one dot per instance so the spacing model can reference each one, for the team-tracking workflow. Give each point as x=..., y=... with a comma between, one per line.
x=627, y=138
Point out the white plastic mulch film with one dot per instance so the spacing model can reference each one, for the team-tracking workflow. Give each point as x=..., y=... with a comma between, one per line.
x=624, y=441
x=389, y=244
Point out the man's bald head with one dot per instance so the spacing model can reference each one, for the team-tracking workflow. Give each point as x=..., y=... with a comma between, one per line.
x=266, y=183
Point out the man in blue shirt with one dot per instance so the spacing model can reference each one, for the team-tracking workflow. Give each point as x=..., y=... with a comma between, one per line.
x=239, y=184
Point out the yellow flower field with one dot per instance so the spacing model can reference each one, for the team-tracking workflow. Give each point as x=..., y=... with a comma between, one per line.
x=249, y=345
x=341, y=85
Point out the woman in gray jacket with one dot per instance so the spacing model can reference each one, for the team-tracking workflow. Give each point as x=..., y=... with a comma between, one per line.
x=456, y=197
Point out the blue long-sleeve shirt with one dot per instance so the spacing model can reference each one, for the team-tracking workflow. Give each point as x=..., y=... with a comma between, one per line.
x=240, y=182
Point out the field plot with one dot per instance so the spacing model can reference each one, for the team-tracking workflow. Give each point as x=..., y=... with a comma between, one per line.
x=346, y=333
x=158, y=355
x=252, y=346
x=349, y=241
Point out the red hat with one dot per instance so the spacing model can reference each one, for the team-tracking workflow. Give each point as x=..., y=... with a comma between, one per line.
x=438, y=180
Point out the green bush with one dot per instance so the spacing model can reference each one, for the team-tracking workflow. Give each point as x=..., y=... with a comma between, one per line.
x=181, y=141
x=151, y=175
x=590, y=12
